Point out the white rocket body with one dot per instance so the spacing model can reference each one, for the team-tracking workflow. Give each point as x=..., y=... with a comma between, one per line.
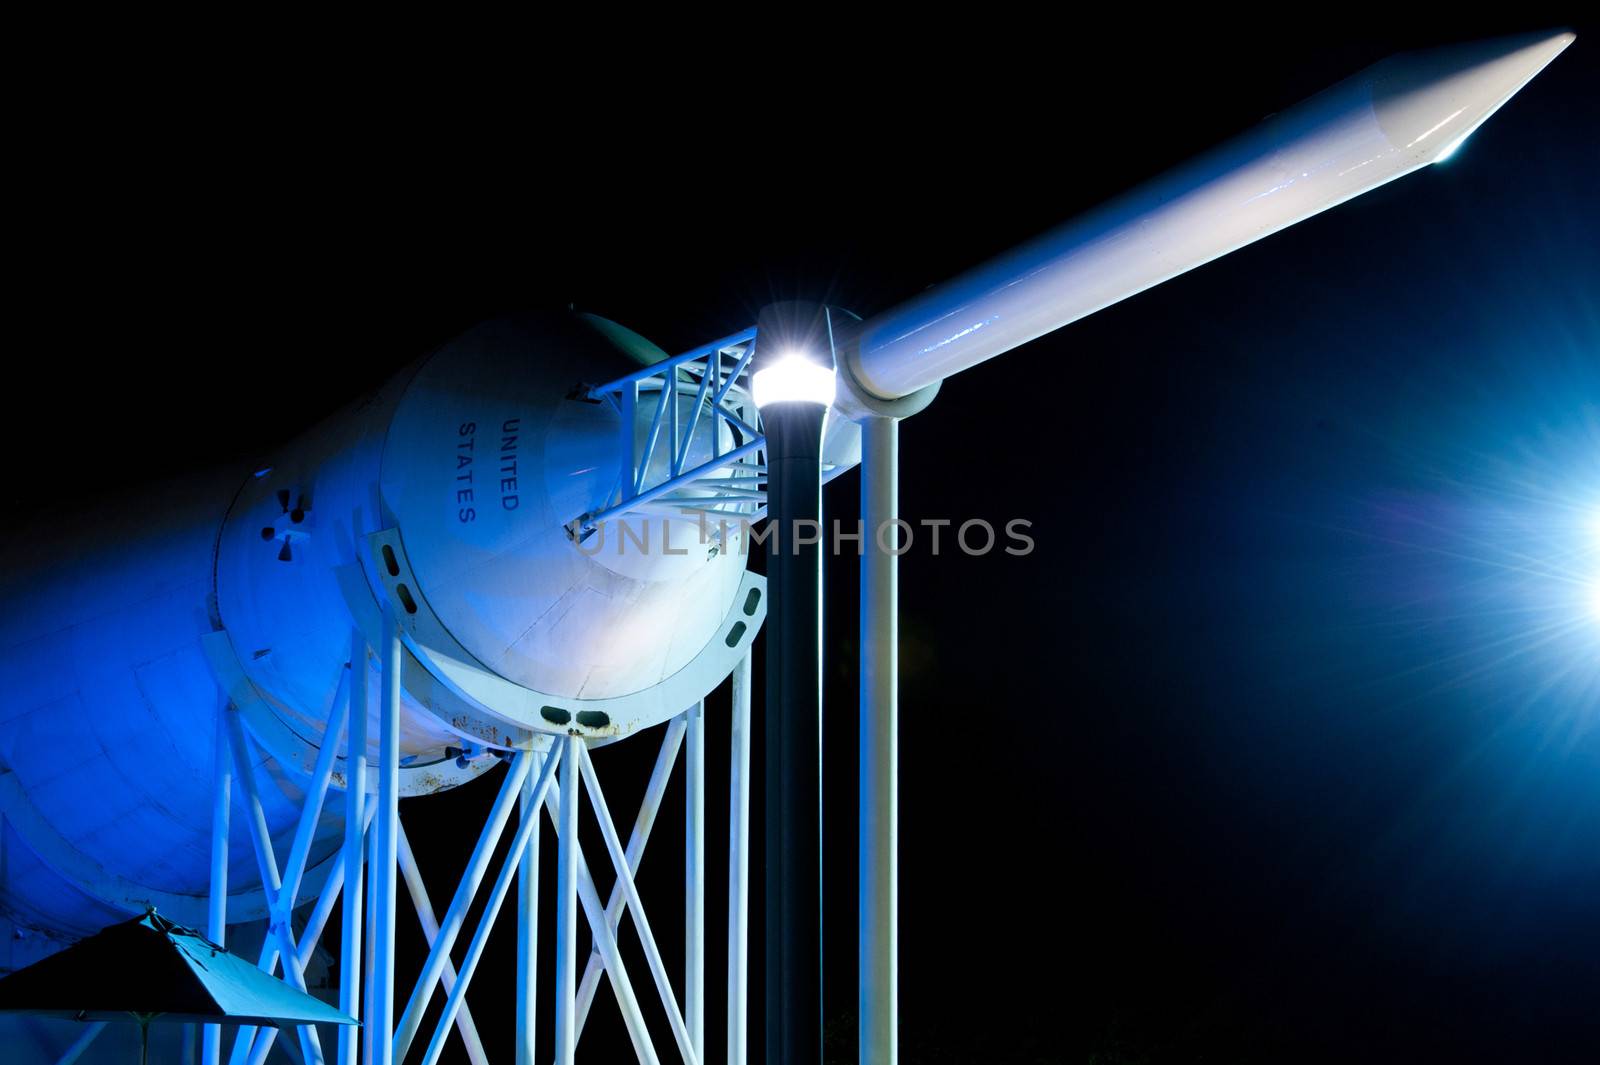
x=450, y=491
x=1395, y=117
x=122, y=639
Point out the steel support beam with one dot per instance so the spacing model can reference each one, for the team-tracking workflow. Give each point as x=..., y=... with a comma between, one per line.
x=566, y=1029
x=386, y=847
x=430, y=931
x=456, y=915
x=666, y=758
x=739, y=868
x=217, y=902
x=369, y=950
x=332, y=887
x=528, y=924
x=641, y=922
x=456, y=999
x=694, y=878
x=605, y=942
x=272, y=884
x=316, y=923
x=878, y=988
x=355, y=820
x=294, y=872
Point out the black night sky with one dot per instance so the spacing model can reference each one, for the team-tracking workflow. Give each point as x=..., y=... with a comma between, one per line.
x=1250, y=760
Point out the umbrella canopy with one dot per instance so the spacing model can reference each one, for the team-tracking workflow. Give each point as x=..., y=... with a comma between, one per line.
x=151, y=967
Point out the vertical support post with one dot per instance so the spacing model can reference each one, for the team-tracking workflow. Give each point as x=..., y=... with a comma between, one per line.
x=647, y=939
x=694, y=878
x=649, y=806
x=217, y=902
x=322, y=909
x=455, y=1001
x=355, y=820
x=528, y=928
x=673, y=459
x=792, y=345
x=714, y=372
x=271, y=885
x=455, y=915
x=386, y=859
x=739, y=869
x=369, y=948
x=601, y=931
x=567, y=905
x=280, y=919
x=878, y=988
x=630, y=417
x=430, y=932
x=294, y=874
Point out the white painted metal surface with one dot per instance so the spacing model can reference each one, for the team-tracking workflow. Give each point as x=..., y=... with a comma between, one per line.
x=527, y=827
x=492, y=553
x=878, y=814
x=1385, y=122
x=353, y=854
x=121, y=634
x=217, y=912
x=527, y=933
x=455, y=915
x=423, y=905
x=566, y=1026
x=385, y=850
x=694, y=877
x=739, y=870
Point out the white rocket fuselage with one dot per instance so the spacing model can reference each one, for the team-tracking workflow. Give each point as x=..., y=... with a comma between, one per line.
x=449, y=491
x=125, y=633
x=1395, y=117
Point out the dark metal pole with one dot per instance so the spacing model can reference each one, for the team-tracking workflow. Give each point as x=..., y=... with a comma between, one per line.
x=793, y=429
x=878, y=862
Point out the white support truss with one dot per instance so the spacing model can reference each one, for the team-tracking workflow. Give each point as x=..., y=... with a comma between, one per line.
x=703, y=451
x=563, y=781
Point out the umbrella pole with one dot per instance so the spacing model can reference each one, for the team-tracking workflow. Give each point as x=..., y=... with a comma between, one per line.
x=144, y=1020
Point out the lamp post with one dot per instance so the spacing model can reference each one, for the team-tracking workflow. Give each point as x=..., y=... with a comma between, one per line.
x=793, y=385
x=878, y=816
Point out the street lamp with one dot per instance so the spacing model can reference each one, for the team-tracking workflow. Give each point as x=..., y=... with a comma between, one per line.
x=793, y=385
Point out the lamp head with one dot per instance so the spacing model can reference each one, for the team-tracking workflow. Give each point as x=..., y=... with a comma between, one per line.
x=793, y=377
x=794, y=355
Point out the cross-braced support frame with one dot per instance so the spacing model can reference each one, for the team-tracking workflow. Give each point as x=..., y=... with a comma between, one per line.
x=702, y=453
x=375, y=858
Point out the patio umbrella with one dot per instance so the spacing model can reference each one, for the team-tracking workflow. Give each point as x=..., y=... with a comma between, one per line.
x=148, y=968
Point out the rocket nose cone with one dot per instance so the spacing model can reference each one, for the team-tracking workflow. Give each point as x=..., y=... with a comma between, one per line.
x=1427, y=103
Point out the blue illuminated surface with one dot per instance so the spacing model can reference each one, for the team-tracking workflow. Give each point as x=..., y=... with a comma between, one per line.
x=1453, y=147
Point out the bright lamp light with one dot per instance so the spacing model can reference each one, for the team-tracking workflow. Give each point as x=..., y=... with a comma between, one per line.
x=793, y=378
x=1450, y=149
x=1591, y=593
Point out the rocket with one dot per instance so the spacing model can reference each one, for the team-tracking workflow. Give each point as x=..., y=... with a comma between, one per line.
x=1404, y=113
x=447, y=497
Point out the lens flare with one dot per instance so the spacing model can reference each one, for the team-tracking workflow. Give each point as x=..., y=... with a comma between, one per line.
x=793, y=378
